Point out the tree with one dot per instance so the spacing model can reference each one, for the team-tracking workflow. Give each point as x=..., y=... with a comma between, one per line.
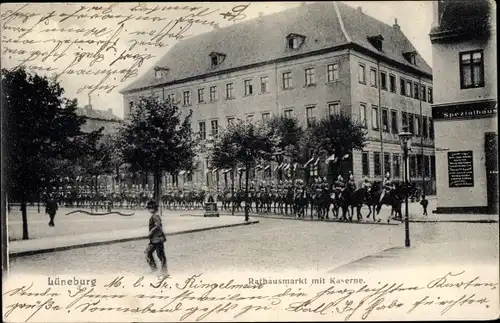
x=42, y=131
x=242, y=144
x=286, y=134
x=154, y=139
x=337, y=134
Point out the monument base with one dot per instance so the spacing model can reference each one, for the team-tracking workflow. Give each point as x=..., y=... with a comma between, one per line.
x=211, y=210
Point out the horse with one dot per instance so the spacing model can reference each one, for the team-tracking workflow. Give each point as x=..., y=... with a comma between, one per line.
x=353, y=199
x=301, y=202
x=392, y=198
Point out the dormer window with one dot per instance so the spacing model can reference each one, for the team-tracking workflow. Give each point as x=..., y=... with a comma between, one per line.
x=217, y=58
x=294, y=41
x=376, y=41
x=411, y=57
x=160, y=72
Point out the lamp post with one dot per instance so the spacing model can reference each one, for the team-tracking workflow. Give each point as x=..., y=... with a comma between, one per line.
x=405, y=140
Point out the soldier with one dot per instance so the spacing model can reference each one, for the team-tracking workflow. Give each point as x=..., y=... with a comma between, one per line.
x=326, y=186
x=339, y=185
x=352, y=183
x=366, y=184
x=387, y=186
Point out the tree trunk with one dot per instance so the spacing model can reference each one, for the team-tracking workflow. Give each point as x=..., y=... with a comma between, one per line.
x=24, y=213
x=157, y=188
x=232, y=192
x=247, y=174
x=38, y=204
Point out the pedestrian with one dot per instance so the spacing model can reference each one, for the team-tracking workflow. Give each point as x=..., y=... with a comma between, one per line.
x=424, y=204
x=156, y=239
x=51, y=209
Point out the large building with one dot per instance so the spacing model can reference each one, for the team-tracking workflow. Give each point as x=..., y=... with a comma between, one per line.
x=96, y=119
x=307, y=62
x=463, y=40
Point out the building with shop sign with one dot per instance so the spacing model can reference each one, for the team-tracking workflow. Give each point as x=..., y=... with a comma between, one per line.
x=309, y=61
x=463, y=40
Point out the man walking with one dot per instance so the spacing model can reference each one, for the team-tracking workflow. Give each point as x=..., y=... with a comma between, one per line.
x=156, y=239
x=51, y=209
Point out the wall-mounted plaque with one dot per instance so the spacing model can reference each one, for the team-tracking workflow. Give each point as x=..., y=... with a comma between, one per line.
x=460, y=169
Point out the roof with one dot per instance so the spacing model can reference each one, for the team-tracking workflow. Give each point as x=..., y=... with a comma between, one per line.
x=106, y=115
x=263, y=39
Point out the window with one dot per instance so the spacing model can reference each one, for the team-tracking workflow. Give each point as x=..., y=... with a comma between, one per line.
x=411, y=125
x=333, y=108
x=471, y=69
x=387, y=163
x=287, y=80
x=413, y=168
x=294, y=41
x=310, y=116
x=433, y=167
x=402, y=86
x=429, y=94
x=417, y=126
x=425, y=132
x=377, y=170
x=420, y=165
x=362, y=114
x=264, y=84
x=217, y=58
x=373, y=77
x=186, y=95
x=427, y=166
x=408, y=89
x=396, y=165
x=230, y=121
x=385, y=120
x=332, y=72
x=287, y=113
x=404, y=120
x=249, y=117
x=229, y=91
x=248, y=87
x=365, y=161
x=423, y=93
x=203, y=130
x=158, y=74
x=394, y=122
x=415, y=90
x=392, y=83
x=374, y=117
x=310, y=77
x=215, y=128
x=266, y=116
x=383, y=81
x=361, y=74
x=431, y=129
x=201, y=95
x=213, y=94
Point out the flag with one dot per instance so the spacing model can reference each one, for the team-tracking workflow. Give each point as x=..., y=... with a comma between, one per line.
x=241, y=169
x=287, y=166
x=310, y=161
x=214, y=170
x=276, y=168
x=182, y=172
x=345, y=156
x=258, y=167
x=281, y=165
x=316, y=162
x=267, y=167
x=295, y=166
x=98, y=176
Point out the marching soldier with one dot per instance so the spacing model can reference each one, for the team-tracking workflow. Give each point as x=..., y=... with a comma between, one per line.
x=387, y=186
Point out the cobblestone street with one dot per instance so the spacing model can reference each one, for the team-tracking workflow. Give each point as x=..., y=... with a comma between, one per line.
x=270, y=246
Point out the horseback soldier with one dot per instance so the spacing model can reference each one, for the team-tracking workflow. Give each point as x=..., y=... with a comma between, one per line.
x=352, y=183
x=387, y=185
x=366, y=184
x=339, y=186
x=325, y=185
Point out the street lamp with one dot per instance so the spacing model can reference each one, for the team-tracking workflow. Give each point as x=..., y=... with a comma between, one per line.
x=405, y=140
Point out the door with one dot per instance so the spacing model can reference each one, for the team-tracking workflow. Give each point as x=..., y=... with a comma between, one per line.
x=491, y=159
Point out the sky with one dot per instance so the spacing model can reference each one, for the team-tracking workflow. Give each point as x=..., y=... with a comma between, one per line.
x=414, y=17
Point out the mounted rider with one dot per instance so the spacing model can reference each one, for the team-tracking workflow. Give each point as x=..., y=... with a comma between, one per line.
x=339, y=186
x=324, y=185
x=366, y=184
x=387, y=186
x=351, y=184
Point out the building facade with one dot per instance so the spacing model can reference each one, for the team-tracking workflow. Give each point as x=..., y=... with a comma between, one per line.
x=463, y=40
x=306, y=62
x=96, y=119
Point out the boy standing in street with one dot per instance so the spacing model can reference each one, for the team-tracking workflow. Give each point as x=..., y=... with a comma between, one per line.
x=424, y=204
x=156, y=239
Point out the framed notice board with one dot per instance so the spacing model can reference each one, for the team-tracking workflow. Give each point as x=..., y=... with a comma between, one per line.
x=460, y=169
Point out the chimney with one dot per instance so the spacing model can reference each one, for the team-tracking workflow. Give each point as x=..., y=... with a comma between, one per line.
x=88, y=108
x=359, y=9
x=396, y=26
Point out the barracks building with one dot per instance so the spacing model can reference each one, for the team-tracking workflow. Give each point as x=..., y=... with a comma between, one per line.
x=308, y=62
